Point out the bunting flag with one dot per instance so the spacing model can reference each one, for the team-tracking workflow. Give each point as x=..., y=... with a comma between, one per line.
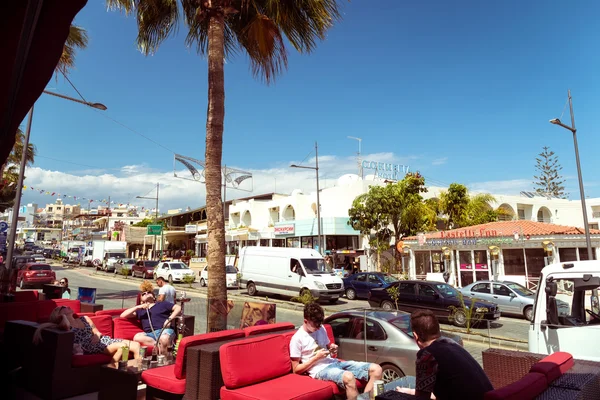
x=103, y=201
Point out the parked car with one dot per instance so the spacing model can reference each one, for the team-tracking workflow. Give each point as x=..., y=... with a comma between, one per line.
x=389, y=339
x=511, y=297
x=108, y=265
x=358, y=285
x=124, y=263
x=48, y=253
x=230, y=276
x=436, y=296
x=39, y=258
x=173, y=271
x=20, y=261
x=144, y=268
x=35, y=274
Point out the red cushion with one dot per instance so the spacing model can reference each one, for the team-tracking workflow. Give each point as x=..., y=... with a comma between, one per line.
x=290, y=386
x=26, y=295
x=253, y=360
x=528, y=387
x=126, y=328
x=27, y=311
x=104, y=323
x=163, y=378
x=45, y=307
x=90, y=359
x=554, y=365
x=330, y=336
x=113, y=313
x=196, y=340
x=260, y=329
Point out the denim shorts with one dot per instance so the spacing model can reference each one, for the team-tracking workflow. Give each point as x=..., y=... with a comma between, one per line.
x=154, y=335
x=334, y=372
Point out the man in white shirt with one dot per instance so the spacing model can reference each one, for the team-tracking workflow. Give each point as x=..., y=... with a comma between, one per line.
x=166, y=291
x=310, y=351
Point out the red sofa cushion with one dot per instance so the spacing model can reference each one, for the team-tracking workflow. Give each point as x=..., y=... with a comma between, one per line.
x=196, y=340
x=163, y=378
x=104, y=323
x=126, y=328
x=554, y=365
x=254, y=360
x=90, y=359
x=45, y=307
x=290, y=386
x=528, y=387
x=113, y=313
x=267, y=328
x=26, y=295
x=27, y=311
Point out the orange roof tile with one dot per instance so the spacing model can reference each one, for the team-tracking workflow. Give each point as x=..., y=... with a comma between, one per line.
x=508, y=228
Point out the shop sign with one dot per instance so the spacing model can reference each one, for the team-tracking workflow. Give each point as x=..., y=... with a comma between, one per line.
x=284, y=229
x=394, y=172
x=496, y=241
x=465, y=233
x=191, y=228
x=451, y=242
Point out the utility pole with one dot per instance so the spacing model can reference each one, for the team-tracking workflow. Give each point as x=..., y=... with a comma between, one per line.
x=108, y=237
x=318, y=200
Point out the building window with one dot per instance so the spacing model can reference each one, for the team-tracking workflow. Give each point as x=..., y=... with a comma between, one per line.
x=278, y=242
x=293, y=242
x=422, y=262
x=264, y=242
x=567, y=254
x=49, y=209
x=535, y=262
x=583, y=254
x=438, y=262
x=307, y=242
x=514, y=263
x=594, y=225
x=521, y=213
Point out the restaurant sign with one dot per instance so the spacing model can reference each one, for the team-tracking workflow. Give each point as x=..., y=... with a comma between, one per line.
x=191, y=228
x=288, y=229
x=393, y=172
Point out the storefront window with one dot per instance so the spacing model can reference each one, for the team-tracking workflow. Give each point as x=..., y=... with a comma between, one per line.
x=422, y=262
x=203, y=249
x=567, y=254
x=514, y=263
x=264, y=242
x=278, y=242
x=465, y=260
x=481, y=261
x=307, y=242
x=438, y=263
x=251, y=242
x=583, y=254
x=535, y=262
x=293, y=242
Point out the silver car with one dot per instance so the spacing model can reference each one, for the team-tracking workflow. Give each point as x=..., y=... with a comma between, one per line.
x=389, y=340
x=511, y=297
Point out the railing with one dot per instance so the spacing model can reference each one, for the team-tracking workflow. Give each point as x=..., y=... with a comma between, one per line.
x=545, y=220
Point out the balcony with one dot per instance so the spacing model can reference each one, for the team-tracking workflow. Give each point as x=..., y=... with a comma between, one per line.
x=545, y=220
x=596, y=214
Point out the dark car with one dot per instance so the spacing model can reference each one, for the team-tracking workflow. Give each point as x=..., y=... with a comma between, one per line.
x=438, y=297
x=144, y=269
x=47, y=253
x=20, y=261
x=358, y=285
x=35, y=274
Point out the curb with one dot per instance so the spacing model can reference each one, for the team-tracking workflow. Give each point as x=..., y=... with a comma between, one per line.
x=485, y=339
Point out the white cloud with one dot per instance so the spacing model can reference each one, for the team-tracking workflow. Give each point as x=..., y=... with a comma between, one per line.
x=439, y=161
x=507, y=187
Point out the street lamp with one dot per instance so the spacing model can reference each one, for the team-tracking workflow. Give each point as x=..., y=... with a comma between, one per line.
x=15, y=215
x=316, y=168
x=156, y=213
x=360, y=169
x=557, y=121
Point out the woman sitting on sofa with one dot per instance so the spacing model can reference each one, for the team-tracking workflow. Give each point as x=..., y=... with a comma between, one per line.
x=88, y=340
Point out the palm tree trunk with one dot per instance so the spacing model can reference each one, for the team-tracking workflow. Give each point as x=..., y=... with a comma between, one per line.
x=217, y=290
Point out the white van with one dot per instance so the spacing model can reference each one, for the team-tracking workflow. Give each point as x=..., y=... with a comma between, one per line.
x=566, y=310
x=288, y=271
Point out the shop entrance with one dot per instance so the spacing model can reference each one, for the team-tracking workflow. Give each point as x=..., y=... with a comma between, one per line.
x=473, y=266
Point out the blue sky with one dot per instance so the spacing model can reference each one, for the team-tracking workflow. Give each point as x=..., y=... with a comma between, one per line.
x=459, y=90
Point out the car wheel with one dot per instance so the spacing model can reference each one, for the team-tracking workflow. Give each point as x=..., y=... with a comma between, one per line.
x=387, y=305
x=251, y=289
x=351, y=294
x=390, y=373
x=528, y=313
x=170, y=279
x=202, y=282
x=460, y=318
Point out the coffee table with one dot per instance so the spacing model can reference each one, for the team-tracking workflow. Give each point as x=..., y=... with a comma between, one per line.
x=122, y=383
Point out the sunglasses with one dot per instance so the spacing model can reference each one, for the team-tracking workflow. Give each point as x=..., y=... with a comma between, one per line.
x=145, y=293
x=63, y=282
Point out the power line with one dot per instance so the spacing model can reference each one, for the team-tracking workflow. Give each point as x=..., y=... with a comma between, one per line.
x=70, y=162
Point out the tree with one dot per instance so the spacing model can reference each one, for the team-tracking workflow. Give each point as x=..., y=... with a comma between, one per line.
x=549, y=182
x=460, y=209
x=396, y=209
x=218, y=29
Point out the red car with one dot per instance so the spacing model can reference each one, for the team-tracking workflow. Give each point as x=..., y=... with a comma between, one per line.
x=144, y=269
x=35, y=274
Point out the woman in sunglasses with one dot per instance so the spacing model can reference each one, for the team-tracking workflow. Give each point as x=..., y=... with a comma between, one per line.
x=64, y=282
x=88, y=339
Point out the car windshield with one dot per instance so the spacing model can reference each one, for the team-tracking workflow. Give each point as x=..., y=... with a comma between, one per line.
x=130, y=261
x=40, y=268
x=115, y=255
x=150, y=264
x=446, y=289
x=315, y=266
x=521, y=290
x=389, y=279
x=230, y=269
x=178, y=266
x=402, y=322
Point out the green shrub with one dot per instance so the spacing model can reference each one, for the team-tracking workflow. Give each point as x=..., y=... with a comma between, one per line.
x=125, y=272
x=473, y=314
x=189, y=279
x=305, y=298
x=394, y=293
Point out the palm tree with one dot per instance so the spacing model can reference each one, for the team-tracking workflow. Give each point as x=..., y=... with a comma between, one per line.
x=461, y=209
x=218, y=29
x=77, y=40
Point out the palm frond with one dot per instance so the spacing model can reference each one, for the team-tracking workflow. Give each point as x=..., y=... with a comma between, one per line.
x=157, y=20
x=77, y=40
x=126, y=6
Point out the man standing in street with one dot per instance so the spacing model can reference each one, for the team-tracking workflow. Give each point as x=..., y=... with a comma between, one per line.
x=444, y=368
x=154, y=317
x=166, y=291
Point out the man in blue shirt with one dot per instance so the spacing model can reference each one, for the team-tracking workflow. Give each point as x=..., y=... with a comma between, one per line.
x=154, y=317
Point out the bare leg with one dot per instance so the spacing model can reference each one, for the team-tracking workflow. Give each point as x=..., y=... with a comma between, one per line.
x=163, y=343
x=144, y=340
x=134, y=347
x=375, y=372
x=114, y=350
x=350, y=385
